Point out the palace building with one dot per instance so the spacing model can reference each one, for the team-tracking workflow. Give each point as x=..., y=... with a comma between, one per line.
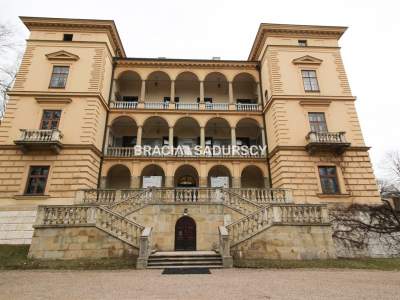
x=83, y=140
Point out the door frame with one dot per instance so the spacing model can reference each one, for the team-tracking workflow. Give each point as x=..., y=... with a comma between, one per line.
x=194, y=233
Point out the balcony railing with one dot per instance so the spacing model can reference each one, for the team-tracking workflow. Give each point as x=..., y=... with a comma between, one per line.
x=247, y=107
x=156, y=105
x=217, y=106
x=39, y=138
x=187, y=106
x=183, y=151
x=325, y=141
x=184, y=106
x=124, y=104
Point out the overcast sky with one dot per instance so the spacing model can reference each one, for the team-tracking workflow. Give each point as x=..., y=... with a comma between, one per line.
x=207, y=28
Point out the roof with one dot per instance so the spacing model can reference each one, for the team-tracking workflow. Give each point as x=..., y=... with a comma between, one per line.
x=68, y=24
x=268, y=29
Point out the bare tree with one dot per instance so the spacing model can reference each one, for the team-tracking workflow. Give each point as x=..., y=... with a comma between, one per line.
x=11, y=48
x=357, y=226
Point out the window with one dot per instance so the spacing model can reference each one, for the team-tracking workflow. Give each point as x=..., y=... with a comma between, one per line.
x=302, y=43
x=67, y=37
x=329, y=180
x=50, y=119
x=59, y=77
x=37, y=179
x=310, y=80
x=317, y=122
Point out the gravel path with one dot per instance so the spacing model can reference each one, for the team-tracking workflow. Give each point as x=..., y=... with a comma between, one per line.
x=221, y=284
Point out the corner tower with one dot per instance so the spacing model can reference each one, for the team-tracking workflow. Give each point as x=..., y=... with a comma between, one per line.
x=54, y=125
x=315, y=142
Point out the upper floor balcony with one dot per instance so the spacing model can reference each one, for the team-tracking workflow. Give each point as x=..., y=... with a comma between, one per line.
x=186, y=92
x=326, y=141
x=185, y=138
x=40, y=139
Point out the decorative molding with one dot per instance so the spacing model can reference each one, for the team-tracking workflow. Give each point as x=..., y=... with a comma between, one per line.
x=175, y=63
x=53, y=100
x=320, y=102
x=307, y=60
x=62, y=55
x=303, y=148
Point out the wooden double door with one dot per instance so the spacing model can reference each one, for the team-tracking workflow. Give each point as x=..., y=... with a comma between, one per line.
x=185, y=234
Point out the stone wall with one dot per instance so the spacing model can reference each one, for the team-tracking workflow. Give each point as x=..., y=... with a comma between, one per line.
x=288, y=242
x=298, y=170
x=77, y=242
x=163, y=217
x=16, y=226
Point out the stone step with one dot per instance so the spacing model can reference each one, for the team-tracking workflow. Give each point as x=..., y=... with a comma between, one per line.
x=186, y=266
x=179, y=259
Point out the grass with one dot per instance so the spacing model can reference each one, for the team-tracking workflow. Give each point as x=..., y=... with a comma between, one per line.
x=14, y=257
x=384, y=264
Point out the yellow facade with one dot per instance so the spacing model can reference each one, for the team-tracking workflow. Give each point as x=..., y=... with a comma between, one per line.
x=97, y=127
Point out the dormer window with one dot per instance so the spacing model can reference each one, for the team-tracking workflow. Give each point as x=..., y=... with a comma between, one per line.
x=68, y=37
x=302, y=43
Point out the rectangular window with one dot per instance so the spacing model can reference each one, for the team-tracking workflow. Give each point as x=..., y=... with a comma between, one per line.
x=50, y=119
x=37, y=179
x=310, y=80
x=68, y=37
x=317, y=122
x=329, y=180
x=59, y=77
x=302, y=43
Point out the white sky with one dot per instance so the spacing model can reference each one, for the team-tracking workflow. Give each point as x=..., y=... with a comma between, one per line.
x=203, y=29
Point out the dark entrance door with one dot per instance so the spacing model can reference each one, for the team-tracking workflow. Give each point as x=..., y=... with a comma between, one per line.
x=185, y=234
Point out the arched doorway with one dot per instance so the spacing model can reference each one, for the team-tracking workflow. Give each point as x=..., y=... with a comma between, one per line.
x=186, y=176
x=185, y=234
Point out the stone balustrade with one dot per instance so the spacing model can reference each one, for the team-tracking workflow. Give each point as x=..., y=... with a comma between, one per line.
x=265, y=195
x=40, y=135
x=86, y=215
x=161, y=105
x=284, y=214
x=326, y=137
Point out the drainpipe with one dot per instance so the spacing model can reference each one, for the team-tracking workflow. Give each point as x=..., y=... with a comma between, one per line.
x=105, y=127
x=265, y=125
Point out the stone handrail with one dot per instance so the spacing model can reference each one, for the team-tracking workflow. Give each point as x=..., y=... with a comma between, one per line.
x=133, y=202
x=187, y=106
x=85, y=215
x=248, y=107
x=40, y=135
x=185, y=195
x=156, y=105
x=104, y=196
x=217, y=106
x=124, y=104
x=236, y=201
x=285, y=214
x=250, y=225
x=326, y=137
x=264, y=195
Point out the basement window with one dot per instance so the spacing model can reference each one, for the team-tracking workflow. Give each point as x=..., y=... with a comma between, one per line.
x=68, y=37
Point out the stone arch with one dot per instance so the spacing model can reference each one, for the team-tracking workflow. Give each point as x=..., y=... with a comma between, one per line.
x=216, y=88
x=252, y=177
x=129, y=86
x=187, y=87
x=219, y=171
x=217, y=132
x=245, y=88
x=118, y=177
x=187, y=173
x=122, y=132
x=152, y=170
x=158, y=86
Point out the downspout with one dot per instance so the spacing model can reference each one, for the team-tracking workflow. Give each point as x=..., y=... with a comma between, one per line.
x=105, y=127
x=265, y=124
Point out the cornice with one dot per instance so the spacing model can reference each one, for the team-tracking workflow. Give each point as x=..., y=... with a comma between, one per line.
x=285, y=30
x=308, y=99
x=303, y=148
x=71, y=24
x=65, y=146
x=189, y=63
x=57, y=95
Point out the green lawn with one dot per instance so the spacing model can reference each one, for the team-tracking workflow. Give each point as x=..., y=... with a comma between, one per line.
x=386, y=264
x=14, y=257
